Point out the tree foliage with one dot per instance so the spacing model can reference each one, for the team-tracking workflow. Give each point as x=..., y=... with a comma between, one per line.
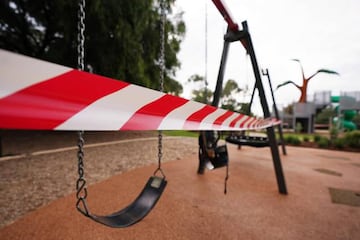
x=228, y=95
x=200, y=94
x=203, y=95
x=122, y=38
x=325, y=116
x=356, y=120
x=228, y=99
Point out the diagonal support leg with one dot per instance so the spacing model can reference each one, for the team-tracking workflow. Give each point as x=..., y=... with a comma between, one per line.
x=270, y=131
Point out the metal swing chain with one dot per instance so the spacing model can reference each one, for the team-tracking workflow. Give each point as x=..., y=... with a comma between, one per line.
x=81, y=190
x=162, y=73
x=80, y=34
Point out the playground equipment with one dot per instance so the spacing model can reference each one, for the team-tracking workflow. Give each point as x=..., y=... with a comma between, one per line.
x=277, y=115
x=212, y=155
x=348, y=105
x=233, y=34
x=54, y=99
x=305, y=81
x=304, y=114
x=258, y=141
x=304, y=111
x=155, y=186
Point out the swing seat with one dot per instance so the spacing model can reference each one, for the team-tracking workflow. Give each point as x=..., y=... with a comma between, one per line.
x=221, y=157
x=248, y=140
x=137, y=210
x=210, y=154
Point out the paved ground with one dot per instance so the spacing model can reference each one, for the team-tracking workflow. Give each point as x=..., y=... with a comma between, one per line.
x=194, y=207
x=42, y=166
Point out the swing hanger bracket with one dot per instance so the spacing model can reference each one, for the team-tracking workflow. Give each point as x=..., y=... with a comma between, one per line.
x=232, y=36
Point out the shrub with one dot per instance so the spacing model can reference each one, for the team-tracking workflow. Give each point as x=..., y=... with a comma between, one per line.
x=334, y=133
x=356, y=120
x=306, y=139
x=339, y=143
x=296, y=141
x=317, y=138
x=352, y=139
x=290, y=139
x=323, y=142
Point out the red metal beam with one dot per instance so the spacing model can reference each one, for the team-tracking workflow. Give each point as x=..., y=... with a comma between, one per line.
x=221, y=6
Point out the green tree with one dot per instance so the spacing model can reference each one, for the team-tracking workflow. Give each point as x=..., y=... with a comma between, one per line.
x=325, y=115
x=228, y=95
x=200, y=94
x=228, y=99
x=245, y=109
x=356, y=120
x=122, y=37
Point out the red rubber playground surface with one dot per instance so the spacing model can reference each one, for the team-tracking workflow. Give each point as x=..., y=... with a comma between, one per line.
x=194, y=206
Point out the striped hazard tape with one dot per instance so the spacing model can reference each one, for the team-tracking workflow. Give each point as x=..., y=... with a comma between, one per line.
x=35, y=94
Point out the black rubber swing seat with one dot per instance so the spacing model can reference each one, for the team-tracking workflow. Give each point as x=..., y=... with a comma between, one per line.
x=251, y=141
x=138, y=209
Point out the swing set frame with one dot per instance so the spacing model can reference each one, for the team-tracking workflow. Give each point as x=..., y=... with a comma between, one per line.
x=243, y=36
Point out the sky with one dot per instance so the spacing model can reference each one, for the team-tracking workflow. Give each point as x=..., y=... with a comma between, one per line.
x=320, y=33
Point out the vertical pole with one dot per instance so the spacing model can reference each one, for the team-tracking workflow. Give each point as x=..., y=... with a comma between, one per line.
x=206, y=57
x=270, y=131
x=266, y=73
x=251, y=100
x=220, y=78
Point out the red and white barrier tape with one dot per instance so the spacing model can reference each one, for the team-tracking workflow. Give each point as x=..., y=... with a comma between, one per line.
x=35, y=94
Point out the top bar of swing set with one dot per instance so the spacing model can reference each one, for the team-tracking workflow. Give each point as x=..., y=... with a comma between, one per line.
x=221, y=6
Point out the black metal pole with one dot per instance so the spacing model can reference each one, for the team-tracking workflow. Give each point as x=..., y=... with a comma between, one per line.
x=251, y=99
x=266, y=73
x=270, y=131
x=220, y=78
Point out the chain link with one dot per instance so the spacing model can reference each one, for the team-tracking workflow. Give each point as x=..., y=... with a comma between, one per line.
x=162, y=44
x=162, y=74
x=80, y=35
x=81, y=190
